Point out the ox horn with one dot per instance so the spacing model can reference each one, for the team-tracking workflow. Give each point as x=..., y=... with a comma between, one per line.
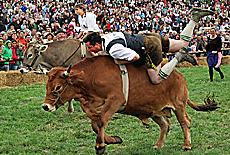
x=66, y=73
x=43, y=70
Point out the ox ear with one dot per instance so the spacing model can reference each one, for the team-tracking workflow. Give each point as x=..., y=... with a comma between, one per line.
x=43, y=48
x=77, y=78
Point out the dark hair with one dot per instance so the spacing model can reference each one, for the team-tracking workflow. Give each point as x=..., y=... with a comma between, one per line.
x=93, y=38
x=13, y=41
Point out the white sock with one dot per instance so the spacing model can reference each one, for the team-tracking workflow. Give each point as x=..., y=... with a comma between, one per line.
x=186, y=34
x=166, y=70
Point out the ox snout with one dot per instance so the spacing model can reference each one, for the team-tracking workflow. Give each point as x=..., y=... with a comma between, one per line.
x=48, y=108
x=45, y=107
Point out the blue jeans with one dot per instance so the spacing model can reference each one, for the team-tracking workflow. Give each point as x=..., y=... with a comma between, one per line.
x=12, y=67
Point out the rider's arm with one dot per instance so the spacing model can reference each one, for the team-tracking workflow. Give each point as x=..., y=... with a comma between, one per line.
x=123, y=54
x=80, y=34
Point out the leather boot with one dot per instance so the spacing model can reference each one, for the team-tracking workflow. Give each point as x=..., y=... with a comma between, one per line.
x=183, y=55
x=198, y=13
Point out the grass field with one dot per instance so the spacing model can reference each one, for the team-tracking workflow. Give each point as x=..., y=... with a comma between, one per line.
x=25, y=128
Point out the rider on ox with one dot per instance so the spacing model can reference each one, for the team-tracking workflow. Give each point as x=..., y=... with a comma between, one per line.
x=141, y=49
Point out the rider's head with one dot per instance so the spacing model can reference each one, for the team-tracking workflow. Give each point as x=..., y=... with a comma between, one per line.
x=93, y=38
x=93, y=41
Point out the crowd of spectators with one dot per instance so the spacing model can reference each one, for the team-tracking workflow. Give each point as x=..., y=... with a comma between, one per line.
x=23, y=21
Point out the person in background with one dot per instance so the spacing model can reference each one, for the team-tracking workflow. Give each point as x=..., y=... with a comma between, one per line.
x=27, y=39
x=1, y=58
x=226, y=43
x=48, y=38
x=13, y=48
x=199, y=46
x=7, y=54
x=70, y=31
x=1, y=44
x=20, y=55
x=38, y=38
x=60, y=34
x=21, y=38
x=87, y=21
x=214, y=56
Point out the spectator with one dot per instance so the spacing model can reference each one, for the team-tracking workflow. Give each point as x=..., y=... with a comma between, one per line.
x=70, y=30
x=213, y=47
x=27, y=40
x=21, y=38
x=1, y=58
x=7, y=54
x=48, y=37
x=13, y=48
x=38, y=38
x=200, y=45
x=60, y=34
x=20, y=55
x=87, y=20
x=23, y=26
x=226, y=43
x=33, y=33
x=1, y=44
x=4, y=37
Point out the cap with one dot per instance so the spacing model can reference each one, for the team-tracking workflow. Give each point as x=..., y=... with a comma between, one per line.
x=59, y=31
x=47, y=34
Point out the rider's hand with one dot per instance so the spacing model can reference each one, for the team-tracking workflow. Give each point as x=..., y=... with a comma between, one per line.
x=80, y=40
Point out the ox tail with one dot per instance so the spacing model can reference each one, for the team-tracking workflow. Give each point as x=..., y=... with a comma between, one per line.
x=210, y=106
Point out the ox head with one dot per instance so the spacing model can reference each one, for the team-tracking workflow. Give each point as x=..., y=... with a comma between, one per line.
x=32, y=52
x=62, y=86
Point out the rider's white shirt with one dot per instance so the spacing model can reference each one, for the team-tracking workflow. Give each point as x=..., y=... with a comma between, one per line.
x=118, y=51
x=88, y=22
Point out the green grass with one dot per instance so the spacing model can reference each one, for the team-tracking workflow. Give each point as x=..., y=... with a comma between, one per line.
x=25, y=128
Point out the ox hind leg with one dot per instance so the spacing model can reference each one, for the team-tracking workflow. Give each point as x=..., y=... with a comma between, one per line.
x=184, y=121
x=70, y=107
x=164, y=124
x=108, y=139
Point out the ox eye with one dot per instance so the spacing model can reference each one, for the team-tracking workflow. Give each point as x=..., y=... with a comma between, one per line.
x=58, y=87
x=30, y=55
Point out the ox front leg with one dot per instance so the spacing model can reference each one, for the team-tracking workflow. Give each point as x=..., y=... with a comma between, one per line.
x=108, y=139
x=70, y=107
x=185, y=121
x=112, y=104
x=164, y=124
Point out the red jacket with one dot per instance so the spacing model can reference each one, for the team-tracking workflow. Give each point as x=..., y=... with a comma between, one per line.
x=14, y=55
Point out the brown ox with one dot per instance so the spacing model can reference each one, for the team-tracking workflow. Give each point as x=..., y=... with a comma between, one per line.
x=97, y=83
x=49, y=55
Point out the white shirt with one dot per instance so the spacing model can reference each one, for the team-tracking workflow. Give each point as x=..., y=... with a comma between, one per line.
x=88, y=22
x=118, y=51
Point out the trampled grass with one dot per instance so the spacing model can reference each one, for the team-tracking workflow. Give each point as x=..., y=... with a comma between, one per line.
x=25, y=128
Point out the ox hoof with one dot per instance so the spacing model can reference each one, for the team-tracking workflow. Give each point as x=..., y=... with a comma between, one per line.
x=118, y=139
x=187, y=148
x=99, y=150
x=156, y=147
x=70, y=112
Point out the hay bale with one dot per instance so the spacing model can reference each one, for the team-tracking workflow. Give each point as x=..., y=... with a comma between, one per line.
x=202, y=61
x=14, y=78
